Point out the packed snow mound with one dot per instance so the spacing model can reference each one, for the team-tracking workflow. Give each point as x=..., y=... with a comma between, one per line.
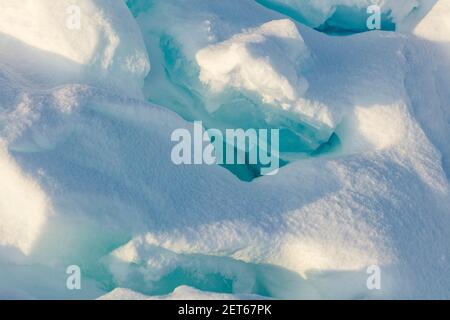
x=343, y=16
x=374, y=128
x=180, y=293
x=95, y=42
x=265, y=60
x=24, y=207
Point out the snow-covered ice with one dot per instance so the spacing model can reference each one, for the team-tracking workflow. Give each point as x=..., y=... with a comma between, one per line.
x=180, y=293
x=251, y=60
x=86, y=176
x=344, y=16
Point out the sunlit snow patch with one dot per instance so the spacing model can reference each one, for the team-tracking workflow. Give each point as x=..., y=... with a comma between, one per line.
x=103, y=48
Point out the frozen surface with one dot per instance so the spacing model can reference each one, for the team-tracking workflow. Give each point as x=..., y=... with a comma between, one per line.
x=180, y=293
x=265, y=85
x=347, y=16
x=86, y=176
x=257, y=56
x=43, y=39
x=436, y=25
x=24, y=207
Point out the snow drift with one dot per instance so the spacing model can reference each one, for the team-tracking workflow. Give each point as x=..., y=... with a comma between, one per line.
x=349, y=16
x=89, y=181
x=83, y=41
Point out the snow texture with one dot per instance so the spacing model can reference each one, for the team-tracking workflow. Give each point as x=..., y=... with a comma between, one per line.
x=86, y=176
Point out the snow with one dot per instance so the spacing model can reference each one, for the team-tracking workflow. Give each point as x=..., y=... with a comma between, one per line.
x=180, y=293
x=374, y=128
x=351, y=15
x=435, y=26
x=85, y=161
x=249, y=61
x=106, y=47
x=24, y=207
